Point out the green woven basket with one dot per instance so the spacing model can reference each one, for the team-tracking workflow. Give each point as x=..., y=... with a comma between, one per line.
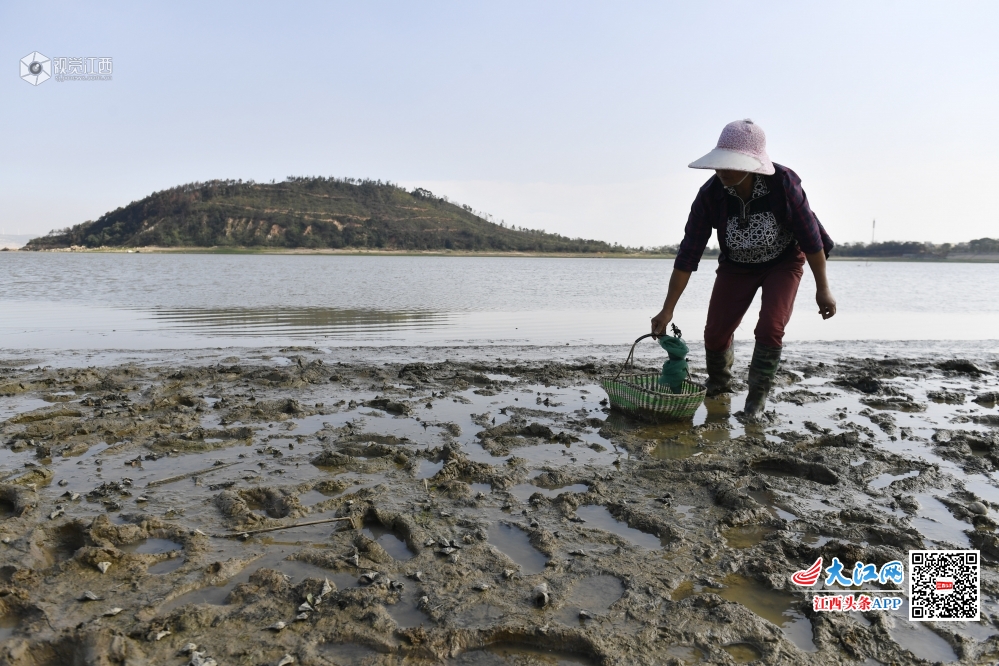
x=641, y=395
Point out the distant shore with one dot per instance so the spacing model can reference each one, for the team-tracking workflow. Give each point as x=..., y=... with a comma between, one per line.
x=956, y=258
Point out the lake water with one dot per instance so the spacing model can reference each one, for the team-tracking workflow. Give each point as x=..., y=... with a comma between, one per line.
x=158, y=301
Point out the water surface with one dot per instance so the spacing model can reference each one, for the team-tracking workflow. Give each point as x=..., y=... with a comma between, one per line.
x=155, y=301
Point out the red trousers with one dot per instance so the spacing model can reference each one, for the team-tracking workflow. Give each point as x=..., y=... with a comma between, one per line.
x=735, y=287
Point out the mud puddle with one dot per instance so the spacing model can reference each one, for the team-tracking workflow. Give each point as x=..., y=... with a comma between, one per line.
x=510, y=655
x=598, y=517
x=523, y=491
x=154, y=546
x=388, y=540
x=516, y=545
x=590, y=598
x=919, y=639
x=784, y=609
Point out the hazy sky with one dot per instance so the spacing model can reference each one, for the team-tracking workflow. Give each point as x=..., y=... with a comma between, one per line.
x=574, y=117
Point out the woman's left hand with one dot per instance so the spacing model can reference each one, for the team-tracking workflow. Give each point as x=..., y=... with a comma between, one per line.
x=827, y=304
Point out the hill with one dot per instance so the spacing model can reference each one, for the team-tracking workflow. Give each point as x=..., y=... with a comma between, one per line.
x=307, y=213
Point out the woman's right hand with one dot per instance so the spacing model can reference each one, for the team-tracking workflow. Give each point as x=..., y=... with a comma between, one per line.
x=661, y=321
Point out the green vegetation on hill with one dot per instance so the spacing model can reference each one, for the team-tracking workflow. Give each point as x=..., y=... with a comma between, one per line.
x=307, y=213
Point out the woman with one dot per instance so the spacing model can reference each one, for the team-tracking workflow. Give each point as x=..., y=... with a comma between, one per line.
x=766, y=232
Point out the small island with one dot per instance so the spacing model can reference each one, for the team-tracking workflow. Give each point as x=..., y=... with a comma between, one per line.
x=317, y=214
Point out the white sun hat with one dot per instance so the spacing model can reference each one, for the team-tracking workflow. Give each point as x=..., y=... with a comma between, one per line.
x=742, y=146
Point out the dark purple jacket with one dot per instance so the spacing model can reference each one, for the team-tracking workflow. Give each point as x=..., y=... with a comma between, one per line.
x=790, y=205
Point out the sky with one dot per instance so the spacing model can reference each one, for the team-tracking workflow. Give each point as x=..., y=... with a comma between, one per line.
x=575, y=117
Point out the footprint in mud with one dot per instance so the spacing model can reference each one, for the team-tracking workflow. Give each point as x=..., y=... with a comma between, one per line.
x=746, y=536
x=8, y=625
x=516, y=545
x=388, y=540
x=595, y=594
x=523, y=491
x=886, y=479
x=159, y=547
x=685, y=654
x=510, y=654
x=216, y=595
x=743, y=653
x=780, y=607
x=793, y=467
x=597, y=516
x=7, y=509
x=67, y=539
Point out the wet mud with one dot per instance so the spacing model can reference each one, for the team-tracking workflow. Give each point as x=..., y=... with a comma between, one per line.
x=291, y=509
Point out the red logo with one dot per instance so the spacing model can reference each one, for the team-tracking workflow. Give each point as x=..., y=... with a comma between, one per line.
x=944, y=585
x=809, y=576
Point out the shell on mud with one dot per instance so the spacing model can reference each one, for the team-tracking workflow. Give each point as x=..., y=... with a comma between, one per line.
x=369, y=577
x=58, y=512
x=286, y=660
x=104, y=566
x=447, y=550
x=509, y=573
x=189, y=648
x=327, y=588
x=418, y=576
x=482, y=587
x=585, y=614
x=199, y=659
x=160, y=635
x=305, y=607
x=540, y=595
x=90, y=596
x=277, y=626
x=978, y=508
x=301, y=616
x=114, y=611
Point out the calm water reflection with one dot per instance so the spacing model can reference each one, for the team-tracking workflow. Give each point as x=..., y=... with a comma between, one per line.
x=141, y=301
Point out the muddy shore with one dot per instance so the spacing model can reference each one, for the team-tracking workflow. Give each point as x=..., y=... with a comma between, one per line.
x=470, y=512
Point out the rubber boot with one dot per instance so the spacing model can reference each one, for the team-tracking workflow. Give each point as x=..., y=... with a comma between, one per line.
x=719, y=371
x=762, y=370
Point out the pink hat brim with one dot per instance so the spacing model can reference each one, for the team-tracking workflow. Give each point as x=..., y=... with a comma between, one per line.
x=720, y=158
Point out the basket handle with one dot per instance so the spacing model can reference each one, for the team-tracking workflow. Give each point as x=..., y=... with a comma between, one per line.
x=631, y=355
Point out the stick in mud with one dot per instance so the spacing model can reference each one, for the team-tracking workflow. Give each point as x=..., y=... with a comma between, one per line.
x=240, y=535
x=181, y=477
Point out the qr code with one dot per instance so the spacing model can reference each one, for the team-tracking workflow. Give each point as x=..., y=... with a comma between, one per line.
x=944, y=585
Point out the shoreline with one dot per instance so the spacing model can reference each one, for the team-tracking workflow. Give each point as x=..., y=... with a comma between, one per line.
x=976, y=259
